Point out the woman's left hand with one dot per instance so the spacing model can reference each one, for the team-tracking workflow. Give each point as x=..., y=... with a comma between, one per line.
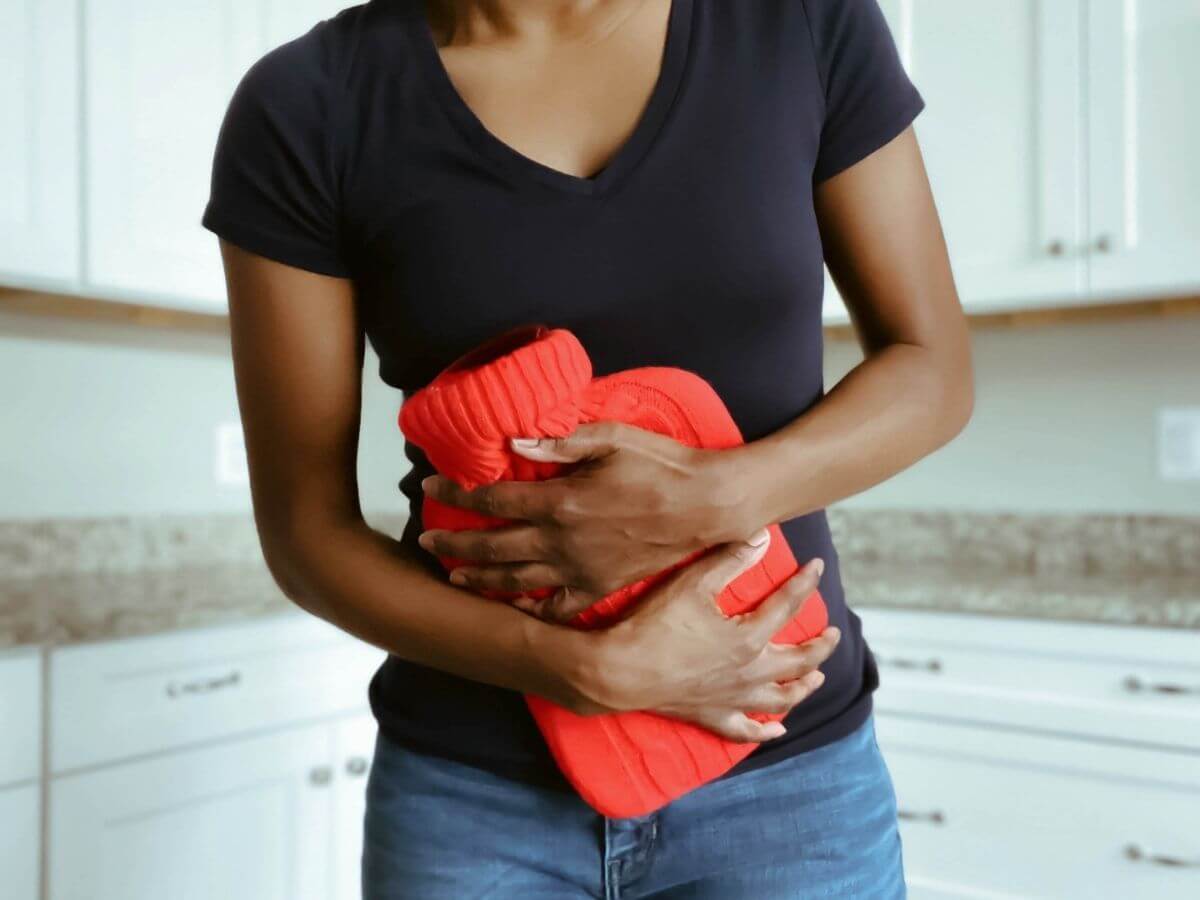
x=635, y=503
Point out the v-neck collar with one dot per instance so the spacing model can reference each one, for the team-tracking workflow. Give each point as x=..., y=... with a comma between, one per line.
x=626, y=158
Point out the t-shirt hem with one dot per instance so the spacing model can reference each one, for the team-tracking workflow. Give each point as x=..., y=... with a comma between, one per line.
x=870, y=141
x=551, y=777
x=270, y=246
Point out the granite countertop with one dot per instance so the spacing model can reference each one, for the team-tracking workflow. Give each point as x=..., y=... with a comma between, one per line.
x=1147, y=600
x=95, y=606
x=71, y=582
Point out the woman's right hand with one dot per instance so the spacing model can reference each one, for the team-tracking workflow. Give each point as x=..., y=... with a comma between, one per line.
x=679, y=655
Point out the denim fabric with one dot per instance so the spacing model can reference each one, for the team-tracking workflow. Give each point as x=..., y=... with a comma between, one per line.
x=818, y=824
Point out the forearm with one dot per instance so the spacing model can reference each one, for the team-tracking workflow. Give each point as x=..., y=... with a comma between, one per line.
x=369, y=585
x=893, y=409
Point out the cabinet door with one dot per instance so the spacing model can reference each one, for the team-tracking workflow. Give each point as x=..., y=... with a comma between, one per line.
x=248, y=820
x=354, y=743
x=159, y=77
x=39, y=143
x=1144, y=130
x=1000, y=135
x=19, y=829
x=985, y=813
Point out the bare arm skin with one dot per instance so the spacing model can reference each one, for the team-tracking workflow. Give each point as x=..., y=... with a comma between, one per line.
x=639, y=502
x=297, y=353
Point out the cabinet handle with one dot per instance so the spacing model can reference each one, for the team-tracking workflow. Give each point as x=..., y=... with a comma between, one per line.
x=1103, y=244
x=931, y=817
x=1136, y=685
x=900, y=662
x=319, y=776
x=1056, y=248
x=176, y=689
x=1138, y=853
x=356, y=766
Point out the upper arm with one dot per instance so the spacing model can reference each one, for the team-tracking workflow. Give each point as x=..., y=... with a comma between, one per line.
x=297, y=347
x=297, y=356
x=879, y=227
x=884, y=247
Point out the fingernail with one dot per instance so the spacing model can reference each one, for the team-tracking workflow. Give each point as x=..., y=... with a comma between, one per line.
x=525, y=443
x=425, y=541
x=759, y=537
x=427, y=482
x=817, y=565
x=814, y=679
x=774, y=730
x=457, y=577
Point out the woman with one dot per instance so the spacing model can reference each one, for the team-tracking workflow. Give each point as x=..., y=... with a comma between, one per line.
x=665, y=179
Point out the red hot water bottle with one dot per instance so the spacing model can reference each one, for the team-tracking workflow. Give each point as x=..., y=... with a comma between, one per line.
x=537, y=382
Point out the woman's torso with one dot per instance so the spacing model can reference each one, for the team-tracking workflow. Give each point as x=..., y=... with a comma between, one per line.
x=696, y=246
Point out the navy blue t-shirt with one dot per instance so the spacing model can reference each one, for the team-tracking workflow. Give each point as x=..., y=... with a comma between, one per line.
x=347, y=151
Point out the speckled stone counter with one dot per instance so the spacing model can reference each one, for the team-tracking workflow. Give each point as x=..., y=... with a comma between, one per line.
x=65, y=582
x=1155, y=601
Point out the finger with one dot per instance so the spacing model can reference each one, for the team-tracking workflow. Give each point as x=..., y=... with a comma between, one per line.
x=784, y=662
x=565, y=603
x=515, y=577
x=779, y=698
x=591, y=440
x=707, y=577
x=741, y=728
x=762, y=623
x=526, y=500
x=510, y=543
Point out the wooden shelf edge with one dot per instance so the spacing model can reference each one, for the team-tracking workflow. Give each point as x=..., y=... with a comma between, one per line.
x=1063, y=315
x=90, y=309
x=68, y=306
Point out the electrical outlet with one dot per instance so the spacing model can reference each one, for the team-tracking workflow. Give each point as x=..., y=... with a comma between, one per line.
x=229, y=457
x=1179, y=444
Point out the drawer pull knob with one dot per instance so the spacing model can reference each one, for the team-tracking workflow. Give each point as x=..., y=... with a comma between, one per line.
x=320, y=776
x=176, y=689
x=924, y=665
x=1136, y=685
x=1138, y=853
x=932, y=817
x=356, y=766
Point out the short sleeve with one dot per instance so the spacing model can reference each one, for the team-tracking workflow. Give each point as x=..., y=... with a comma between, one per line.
x=869, y=99
x=273, y=184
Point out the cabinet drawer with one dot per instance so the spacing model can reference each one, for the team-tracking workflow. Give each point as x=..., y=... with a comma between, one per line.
x=20, y=715
x=139, y=695
x=1132, y=684
x=989, y=814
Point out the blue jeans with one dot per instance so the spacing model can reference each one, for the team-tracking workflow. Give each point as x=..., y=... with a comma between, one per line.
x=818, y=824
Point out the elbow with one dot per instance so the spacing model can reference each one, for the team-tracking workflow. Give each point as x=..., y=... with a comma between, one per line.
x=284, y=555
x=958, y=398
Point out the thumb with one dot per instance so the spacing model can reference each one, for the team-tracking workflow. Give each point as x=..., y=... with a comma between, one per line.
x=588, y=441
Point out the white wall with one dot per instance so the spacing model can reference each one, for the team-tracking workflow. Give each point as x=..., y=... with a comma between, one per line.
x=99, y=419
x=1065, y=421
x=105, y=420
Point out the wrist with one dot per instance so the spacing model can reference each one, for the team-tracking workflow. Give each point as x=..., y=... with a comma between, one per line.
x=738, y=487
x=574, y=663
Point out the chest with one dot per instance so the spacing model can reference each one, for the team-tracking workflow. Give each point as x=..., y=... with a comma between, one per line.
x=698, y=230
x=570, y=102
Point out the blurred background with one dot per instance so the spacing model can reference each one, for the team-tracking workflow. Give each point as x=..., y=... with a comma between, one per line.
x=1032, y=591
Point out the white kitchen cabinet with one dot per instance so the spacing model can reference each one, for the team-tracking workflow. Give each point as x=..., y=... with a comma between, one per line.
x=989, y=813
x=159, y=76
x=20, y=827
x=39, y=143
x=1001, y=139
x=354, y=747
x=246, y=820
x=1144, y=143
